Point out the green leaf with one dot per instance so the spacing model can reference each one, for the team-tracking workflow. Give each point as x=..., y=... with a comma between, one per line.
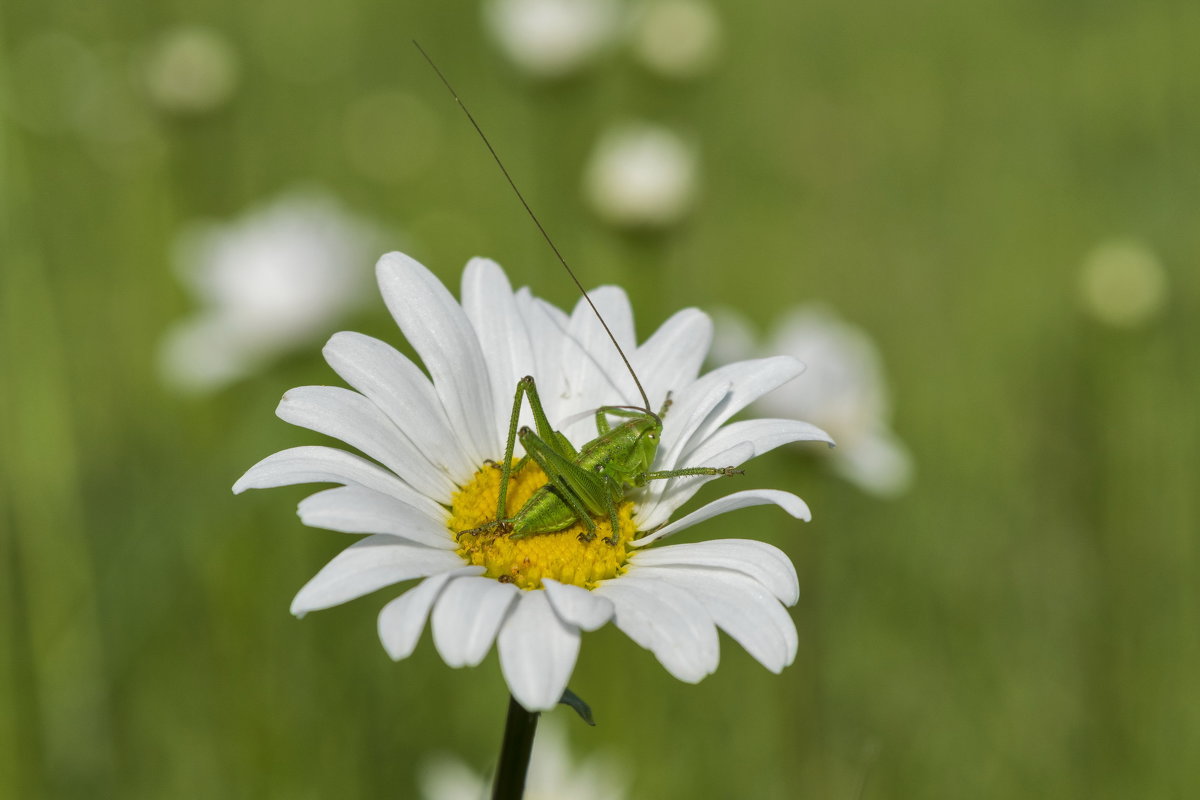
x=574, y=701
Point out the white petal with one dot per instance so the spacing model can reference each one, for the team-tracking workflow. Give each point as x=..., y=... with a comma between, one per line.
x=613, y=306
x=329, y=465
x=577, y=605
x=668, y=622
x=354, y=509
x=547, y=326
x=740, y=606
x=399, y=388
x=751, y=497
x=367, y=565
x=488, y=301
x=764, y=434
x=402, y=620
x=654, y=511
x=594, y=371
x=748, y=380
x=732, y=445
x=766, y=563
x=358, y=422
x=671, y=358
x=442, y=335
x=537, y=652
x=467, y=617
x=688, y=413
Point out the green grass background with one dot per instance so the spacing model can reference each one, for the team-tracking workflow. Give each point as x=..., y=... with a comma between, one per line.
x=1024, y=623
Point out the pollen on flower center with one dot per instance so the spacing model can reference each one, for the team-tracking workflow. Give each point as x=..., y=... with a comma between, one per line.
x=561, y=555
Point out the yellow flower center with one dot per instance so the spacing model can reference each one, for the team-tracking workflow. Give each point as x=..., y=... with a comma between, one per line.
x=564, y=555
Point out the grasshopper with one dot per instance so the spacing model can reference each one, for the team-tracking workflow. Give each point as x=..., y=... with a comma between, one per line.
x=590, y=482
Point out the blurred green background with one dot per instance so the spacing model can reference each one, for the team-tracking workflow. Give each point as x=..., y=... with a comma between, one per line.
x=1024, y=622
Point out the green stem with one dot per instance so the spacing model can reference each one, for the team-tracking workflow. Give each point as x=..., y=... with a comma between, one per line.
x=519, y=729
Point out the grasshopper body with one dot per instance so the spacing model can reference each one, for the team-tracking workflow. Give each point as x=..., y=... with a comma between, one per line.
x=597, y=476
x=585, y=483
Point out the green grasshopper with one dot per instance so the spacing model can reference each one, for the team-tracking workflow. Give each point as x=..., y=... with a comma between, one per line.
x=589, y=482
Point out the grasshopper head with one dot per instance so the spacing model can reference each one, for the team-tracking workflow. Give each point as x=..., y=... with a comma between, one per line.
x=649, y=431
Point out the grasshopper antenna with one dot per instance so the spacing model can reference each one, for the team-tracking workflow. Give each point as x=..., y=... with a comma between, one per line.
x=536, y=221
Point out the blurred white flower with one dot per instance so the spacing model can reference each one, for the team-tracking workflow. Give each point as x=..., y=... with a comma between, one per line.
x=676, y=38
x=191, y=70
x=1122, y=283
x=553, y=774
x=552, y=38
x=267, y=282
x=844, y=391
x=641, y=175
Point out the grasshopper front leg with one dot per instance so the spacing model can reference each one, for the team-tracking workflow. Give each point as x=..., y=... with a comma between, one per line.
x=526, y=388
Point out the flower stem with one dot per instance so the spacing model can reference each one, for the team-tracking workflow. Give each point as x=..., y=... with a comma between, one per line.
x=519, y=729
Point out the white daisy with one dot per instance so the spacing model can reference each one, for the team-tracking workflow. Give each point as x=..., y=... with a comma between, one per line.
x=268, y=282
x=435, y=440
x=844, y=391
x=641, y=175
x=553, y=774
x=552, y=38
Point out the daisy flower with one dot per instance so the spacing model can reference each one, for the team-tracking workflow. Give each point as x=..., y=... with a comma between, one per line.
x=551, y=38
x=436, y=440
x=553, y=774
x=267, y=282
x=641, y=175
x=844, y=391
